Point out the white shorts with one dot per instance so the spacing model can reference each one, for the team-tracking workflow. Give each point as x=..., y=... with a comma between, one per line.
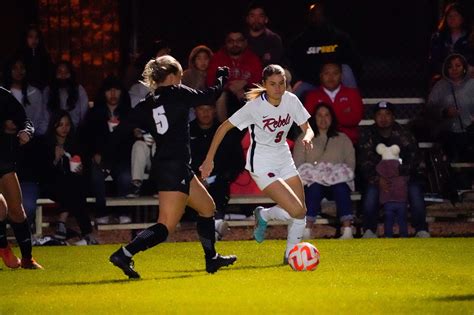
x=266, y=177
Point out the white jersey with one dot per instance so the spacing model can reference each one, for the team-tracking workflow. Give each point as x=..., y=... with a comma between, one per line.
x=268, y=127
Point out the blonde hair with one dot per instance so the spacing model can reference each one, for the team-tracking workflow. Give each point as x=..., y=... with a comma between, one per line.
x=156, y=71
x=267, y=72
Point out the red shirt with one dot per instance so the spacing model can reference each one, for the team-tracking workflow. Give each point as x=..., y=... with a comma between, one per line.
x=347, y=106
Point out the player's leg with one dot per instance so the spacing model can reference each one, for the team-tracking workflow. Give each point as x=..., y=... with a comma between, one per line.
x=9, y=259
x=200, y=200
x=10, y=188
x=172, y=205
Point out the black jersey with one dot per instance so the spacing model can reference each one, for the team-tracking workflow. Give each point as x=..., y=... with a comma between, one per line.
x=11, y=109
x=165, y=116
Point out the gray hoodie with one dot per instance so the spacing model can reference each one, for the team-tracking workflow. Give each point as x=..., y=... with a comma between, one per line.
x=442, y=96
x=36, y=111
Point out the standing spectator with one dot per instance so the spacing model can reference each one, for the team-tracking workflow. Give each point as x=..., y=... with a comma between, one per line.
x=245, y=70
x=453, y=98
x=108, y=154
x=319, y=42
x=385, y=130
x=331, y=150
x=64, y=181
x=36, y=58
x=66, y=94
x=227, y=164
x=262, y=41
x=452, y=36
x=346, y=102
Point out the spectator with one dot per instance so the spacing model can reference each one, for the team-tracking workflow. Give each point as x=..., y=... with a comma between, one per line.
x=346, y=102
x=108, y=154
x=227, y=164
x=36, y=58
x=452, y=36
x=453, y=99
x=319, y=42
x=66, y=94
x=385, y=130
x=64, y=181
x=333, y=153
x=245, y=70
x=261, y=40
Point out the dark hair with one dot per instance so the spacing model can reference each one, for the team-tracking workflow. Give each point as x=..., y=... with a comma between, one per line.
x=111, y=82
x=443, y=25
x=41, y=49
x=330, y=61
x=256, y=5
x=266, y=73
x=332, y=130
x=54, y=123
x=54, y=101
x=450, y=58
x=8, y=79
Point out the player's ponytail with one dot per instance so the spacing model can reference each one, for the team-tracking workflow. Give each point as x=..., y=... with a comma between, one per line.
x=267, y=72
x=156, y=70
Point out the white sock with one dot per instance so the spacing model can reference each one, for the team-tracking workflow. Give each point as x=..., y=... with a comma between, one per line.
x=295, y=233
x=275, y=213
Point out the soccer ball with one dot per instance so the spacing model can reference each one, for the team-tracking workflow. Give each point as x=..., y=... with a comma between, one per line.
x=303, y=256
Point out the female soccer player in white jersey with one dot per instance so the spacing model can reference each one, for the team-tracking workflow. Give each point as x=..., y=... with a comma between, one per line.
x=269, y=114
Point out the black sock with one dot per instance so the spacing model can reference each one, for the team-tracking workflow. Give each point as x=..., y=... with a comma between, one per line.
x=3, y=234
x=207, y=236
x=23, y=237
x=150, y=237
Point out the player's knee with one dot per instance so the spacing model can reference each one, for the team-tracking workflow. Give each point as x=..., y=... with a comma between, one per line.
x=16, y=215
x=298, y=212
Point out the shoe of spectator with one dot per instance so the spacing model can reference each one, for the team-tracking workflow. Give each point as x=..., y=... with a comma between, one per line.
x=155, y=195
x=30, y=263
x=9, y=258
x=125, y=263
x=260, y=225
x=423, y=234
x=124, y=219
x=347, y=233
x=214, y=264
x=221, y=227
x=307, y=234
x=135, y=192
x=61, y=231
x=369, y=234
x=103, y=220
x=87, y=240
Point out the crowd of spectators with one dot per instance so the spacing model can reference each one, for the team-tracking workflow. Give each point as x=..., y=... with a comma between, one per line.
x=75, y=148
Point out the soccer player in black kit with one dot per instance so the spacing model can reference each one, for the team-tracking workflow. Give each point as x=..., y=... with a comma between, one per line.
x=164, y=114
x=15, y=130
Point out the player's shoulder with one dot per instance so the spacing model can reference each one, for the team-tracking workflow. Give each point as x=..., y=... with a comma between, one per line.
x=290, y=98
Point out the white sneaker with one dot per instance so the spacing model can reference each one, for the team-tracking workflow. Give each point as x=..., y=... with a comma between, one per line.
x=307, y=234
x=81, y=242
x=103, y=220
x=369, y=234
x=347, y=233
x=423, y=234
x=221, y=227
x=124, y=219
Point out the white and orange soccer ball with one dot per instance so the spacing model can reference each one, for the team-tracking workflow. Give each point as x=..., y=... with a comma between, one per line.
x=304, y=256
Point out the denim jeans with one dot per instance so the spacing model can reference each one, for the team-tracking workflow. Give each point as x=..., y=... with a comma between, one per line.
x=340, y=193
x=30, y=192
x=416, y=202
x=395, y=210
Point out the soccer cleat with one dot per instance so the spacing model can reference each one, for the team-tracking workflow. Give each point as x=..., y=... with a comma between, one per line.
x=214, y=264
x=125, y=263
x=9, y=258
x=260, y=225
x=30, y=263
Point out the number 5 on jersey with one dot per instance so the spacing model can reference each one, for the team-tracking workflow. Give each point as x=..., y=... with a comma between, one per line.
x=160, y=120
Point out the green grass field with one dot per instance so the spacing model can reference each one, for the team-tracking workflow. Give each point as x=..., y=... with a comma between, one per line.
x=398, y=276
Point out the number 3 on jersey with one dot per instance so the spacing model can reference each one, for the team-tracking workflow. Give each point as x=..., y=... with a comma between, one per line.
x=278, y=136
x=160, y=120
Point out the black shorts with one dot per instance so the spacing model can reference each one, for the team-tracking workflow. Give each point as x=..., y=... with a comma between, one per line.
x=6, y=167
x=173, y=176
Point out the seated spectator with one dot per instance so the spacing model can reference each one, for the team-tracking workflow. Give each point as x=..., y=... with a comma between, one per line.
x=143, y=150
x=64, y=180
x=319, y=42
x=332, y=153
x=108, y=155
x=66, y=94
x=453, y=98
x=385, y=130
x=346, y=102
x=35, y=57
x=245, y=69
x=227, y=164
x=266, y=44
x=451, y=37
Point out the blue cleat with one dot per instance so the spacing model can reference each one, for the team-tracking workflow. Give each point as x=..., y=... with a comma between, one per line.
x=260, y=225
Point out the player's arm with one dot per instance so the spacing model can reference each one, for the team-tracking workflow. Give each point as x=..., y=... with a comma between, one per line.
x=208, y=164
x=308, y=135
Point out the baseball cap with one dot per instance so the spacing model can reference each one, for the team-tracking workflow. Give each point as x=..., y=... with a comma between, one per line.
x=384, y=105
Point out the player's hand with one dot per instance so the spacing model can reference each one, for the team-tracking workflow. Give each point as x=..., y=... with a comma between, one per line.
x=308, y=144
x=23, y=137
x=206, y=168
x=222, y=76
